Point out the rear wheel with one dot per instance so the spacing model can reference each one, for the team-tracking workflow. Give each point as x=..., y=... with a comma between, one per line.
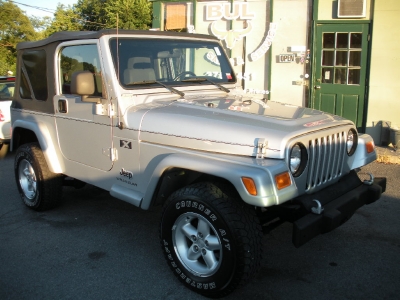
x=40, y=189
x=210, y=238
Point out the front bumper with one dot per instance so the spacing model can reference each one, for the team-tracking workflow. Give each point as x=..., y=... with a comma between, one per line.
x=339, y=202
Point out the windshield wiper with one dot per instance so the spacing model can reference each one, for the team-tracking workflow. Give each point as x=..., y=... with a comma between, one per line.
x=171, y=89
x=201, y=79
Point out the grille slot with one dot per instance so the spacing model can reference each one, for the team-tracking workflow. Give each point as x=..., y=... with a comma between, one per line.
x=326, y=156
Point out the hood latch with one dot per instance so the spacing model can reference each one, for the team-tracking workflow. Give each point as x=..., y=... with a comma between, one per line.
x=261, y=148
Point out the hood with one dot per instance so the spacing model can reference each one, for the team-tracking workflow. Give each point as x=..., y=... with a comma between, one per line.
x=230, y=125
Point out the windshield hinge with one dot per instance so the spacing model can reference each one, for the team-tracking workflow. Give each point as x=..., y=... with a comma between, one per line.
x=261, y=148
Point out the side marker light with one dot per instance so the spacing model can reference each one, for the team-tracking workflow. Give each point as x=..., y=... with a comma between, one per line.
x=283, y=180
x=250, y=185
x=370, y=146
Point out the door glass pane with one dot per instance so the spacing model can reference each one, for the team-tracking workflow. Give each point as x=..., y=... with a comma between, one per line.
x=328, y=40
x=327, y=58
x=340, y=76
x=355, y=40
x=341, y=58
x=354, y=76
x=80, y=58
x=342, y=40
x=327, y=75
x=355, y=59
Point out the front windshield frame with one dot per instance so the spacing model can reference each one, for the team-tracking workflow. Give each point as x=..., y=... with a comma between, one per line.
x=169, y=61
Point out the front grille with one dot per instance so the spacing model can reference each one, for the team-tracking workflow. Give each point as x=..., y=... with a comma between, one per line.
x=325, y=158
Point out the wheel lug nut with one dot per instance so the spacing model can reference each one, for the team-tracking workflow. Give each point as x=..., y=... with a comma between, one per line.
x=200, y=235
x=204, y=251
x=196, y=248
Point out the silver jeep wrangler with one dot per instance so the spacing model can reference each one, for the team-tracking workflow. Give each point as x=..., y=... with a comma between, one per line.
x=156, y=118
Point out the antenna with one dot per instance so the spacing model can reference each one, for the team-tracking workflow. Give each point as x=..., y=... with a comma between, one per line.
x=120, y=123
x=117, y=49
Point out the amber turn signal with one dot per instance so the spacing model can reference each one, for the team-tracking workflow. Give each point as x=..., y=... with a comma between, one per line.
x=370, y=146
x=283, y=180
x=250, y=185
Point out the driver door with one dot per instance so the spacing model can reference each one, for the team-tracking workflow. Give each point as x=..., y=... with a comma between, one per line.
x=84, y=136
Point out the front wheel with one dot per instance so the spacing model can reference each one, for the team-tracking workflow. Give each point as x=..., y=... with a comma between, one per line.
x=210, y=238
x=40, y=189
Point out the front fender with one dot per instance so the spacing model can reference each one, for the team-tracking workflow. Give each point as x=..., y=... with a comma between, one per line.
x=262, y=172
x=52, y=155
x=361, y=157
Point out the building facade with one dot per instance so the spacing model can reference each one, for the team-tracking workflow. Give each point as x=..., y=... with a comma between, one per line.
x=338, y=56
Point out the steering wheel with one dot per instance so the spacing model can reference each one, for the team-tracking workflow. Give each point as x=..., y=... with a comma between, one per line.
x=183, y=74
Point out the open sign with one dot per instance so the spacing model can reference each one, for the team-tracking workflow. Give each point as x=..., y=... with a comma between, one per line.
x=286, y=58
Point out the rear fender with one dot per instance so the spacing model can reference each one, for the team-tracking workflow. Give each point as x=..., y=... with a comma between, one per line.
x=45, y=140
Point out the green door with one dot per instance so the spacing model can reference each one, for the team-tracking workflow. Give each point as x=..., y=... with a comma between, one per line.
x=339, y=78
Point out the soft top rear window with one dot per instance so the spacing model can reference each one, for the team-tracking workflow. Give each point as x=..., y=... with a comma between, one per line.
x=34, y=68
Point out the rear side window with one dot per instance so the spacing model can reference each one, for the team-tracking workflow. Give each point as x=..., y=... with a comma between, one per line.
x=34, y=78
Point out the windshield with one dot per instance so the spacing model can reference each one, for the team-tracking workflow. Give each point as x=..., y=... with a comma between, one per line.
x=171, y=62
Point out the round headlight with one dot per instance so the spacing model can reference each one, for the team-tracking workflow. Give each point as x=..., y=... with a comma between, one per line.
x=351, y=143
x=298, y=159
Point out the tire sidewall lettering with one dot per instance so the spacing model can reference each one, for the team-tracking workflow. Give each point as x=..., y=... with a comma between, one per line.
x=223, y=274
x=187, y=278
x=198, y=206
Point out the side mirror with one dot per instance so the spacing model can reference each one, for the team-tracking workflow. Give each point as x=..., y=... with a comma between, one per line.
x=82, y=83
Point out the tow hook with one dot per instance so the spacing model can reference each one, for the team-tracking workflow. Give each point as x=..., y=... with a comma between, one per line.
x=317, y=210
x=370, y=181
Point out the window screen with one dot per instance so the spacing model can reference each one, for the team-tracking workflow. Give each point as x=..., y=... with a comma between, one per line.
x=175, y=16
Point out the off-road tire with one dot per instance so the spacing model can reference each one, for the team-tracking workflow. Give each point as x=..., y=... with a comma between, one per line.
x=205, y=221
x=40, y=189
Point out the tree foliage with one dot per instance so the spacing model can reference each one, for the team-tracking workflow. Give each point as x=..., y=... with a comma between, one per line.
x=128, y=14
x=124, y=14
x=40, y=23
x=15, y=27
x=93, y=15
x=65, y=19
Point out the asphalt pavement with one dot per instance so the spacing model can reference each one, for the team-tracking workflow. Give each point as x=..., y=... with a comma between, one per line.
x=97, y=247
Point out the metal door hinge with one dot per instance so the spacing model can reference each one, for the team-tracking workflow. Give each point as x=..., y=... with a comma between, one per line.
x=112, y=153
x=105, y=110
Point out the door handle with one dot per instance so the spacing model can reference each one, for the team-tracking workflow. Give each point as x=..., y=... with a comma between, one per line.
x=62, y=106
x=317, y=87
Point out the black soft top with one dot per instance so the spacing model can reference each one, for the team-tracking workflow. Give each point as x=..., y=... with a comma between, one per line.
x=49, y=46
x=83, y=35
